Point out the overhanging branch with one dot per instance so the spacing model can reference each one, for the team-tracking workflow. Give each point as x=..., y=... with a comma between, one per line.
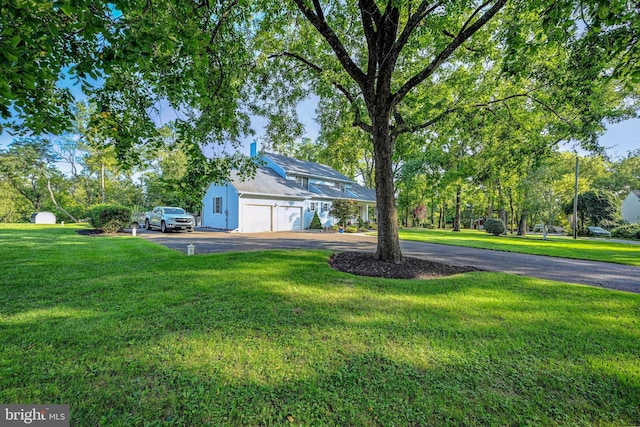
x=401, y=127
x=317, y=20
x=465, y=33
x=319, y=70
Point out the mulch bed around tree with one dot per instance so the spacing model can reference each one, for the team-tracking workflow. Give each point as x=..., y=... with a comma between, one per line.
x=365, y=264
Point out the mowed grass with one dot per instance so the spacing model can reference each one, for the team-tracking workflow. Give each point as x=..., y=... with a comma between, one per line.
x=599, y=249
x=129, y=333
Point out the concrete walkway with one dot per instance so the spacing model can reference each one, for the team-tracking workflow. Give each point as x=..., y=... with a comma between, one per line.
x=602, y=274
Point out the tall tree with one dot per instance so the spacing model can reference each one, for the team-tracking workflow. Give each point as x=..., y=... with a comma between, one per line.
x=396, y=63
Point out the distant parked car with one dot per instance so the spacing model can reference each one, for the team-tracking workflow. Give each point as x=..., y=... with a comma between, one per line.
x=598, y=232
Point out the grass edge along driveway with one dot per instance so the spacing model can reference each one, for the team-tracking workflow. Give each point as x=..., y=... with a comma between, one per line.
x=554, y=246
x=131, y=333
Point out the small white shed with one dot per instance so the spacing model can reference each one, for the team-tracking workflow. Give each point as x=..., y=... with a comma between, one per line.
x=43, y=218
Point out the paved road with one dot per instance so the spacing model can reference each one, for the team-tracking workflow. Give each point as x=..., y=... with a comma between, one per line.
x=592, y=273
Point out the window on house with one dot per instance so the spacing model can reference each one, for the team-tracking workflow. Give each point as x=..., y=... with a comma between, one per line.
x=341, y=186
x=325, y=207
x=217, y=205
x=303, y=180
x=312, y=206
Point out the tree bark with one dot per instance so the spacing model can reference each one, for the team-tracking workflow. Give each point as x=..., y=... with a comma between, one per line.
x=522, y=224
x=102, y=187
x=388, y=248
x=456, y=220
x=433, y=212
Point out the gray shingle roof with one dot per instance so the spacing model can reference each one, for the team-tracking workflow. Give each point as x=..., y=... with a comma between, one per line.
x=363, y=193
x=268, y=182
x=302, y=167
x=356, y=192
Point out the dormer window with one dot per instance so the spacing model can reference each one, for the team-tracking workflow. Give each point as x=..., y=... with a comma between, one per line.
x=342, y=186
x=303, y=180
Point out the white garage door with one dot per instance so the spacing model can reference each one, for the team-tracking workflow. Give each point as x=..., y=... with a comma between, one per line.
x=289, y=218
x=256, y=218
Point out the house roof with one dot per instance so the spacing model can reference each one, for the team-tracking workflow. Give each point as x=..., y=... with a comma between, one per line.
x=363, y=193
x=301, y=167
x=268, y=182
x=637, y=193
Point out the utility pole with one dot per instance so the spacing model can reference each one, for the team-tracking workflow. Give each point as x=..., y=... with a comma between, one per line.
x=575, y=203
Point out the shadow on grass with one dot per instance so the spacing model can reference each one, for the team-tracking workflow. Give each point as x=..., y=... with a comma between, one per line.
x=247, y=339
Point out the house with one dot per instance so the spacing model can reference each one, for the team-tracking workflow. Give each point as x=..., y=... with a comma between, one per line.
x=630, y=209
x=284, y=195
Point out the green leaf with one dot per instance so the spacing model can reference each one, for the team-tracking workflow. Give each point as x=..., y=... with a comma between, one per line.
x=66, y=9
x=11, y=56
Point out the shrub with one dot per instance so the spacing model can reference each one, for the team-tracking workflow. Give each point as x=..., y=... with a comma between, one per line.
x=495, y=226
x=343, y=210
x=315, y=222
x=109, y=218
x=629, y=231
x=351, y=229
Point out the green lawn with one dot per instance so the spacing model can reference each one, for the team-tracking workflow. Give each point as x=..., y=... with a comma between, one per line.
x=599, y=249
x=129, y=333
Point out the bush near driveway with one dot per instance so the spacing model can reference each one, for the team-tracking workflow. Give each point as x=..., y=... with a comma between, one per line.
x=109, y=218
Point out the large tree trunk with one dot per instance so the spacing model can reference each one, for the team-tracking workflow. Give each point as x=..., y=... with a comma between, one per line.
x=433, y=212
x=456, y=220
x=522, y=224
x=388, y=241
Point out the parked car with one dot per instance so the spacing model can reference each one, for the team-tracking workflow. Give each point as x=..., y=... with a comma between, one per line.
x=169, y=218
x=598, y=232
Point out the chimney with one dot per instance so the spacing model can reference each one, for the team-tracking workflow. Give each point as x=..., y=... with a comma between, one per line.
x=253, y=150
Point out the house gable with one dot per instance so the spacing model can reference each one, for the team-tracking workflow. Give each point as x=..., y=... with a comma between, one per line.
x=630, y=208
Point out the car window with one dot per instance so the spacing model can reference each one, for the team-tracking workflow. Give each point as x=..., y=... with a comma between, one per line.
x=174, y=211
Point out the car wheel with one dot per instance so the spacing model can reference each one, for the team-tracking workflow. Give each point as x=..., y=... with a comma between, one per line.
x=163, y=227
x=147, y=225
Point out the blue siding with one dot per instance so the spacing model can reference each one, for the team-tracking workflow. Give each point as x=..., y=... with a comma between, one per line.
x=325, y=219
x=228, y=218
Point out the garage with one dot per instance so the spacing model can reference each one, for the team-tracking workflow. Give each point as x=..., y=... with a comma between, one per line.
x=256, y=218
x=288, y=218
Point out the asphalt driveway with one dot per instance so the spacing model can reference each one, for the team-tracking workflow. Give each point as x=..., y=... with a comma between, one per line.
x=607, y=275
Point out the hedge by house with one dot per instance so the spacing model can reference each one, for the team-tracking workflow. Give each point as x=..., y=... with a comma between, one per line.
x=109, y=218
